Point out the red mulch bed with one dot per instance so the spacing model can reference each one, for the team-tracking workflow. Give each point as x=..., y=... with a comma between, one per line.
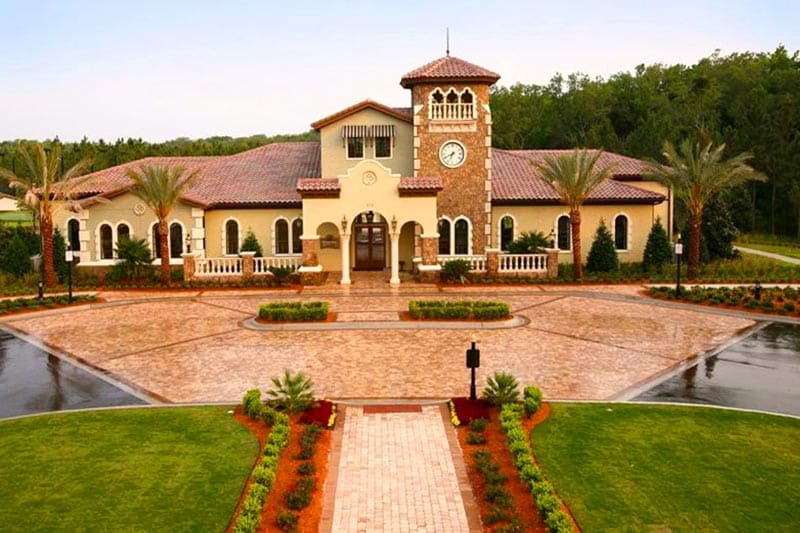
x=468, y=410
x=330, y=318
x=318, y=415
x=524, y=504
x=287, y=475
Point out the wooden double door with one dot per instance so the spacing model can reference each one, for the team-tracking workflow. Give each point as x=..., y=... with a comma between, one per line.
x=370, y=242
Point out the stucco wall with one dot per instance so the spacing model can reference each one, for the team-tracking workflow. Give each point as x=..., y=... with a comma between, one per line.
x=334, y=160
x=544, y=219
x=260, y=221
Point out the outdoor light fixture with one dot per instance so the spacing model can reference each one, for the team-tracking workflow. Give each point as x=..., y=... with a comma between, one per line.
x=68, y=259
x=370, y=216
x=757, y=290
x=678, y=254
x=188, y=244
x=394, y=224
x=552, y=238
x=41, y=292
x=344, y=223
x=473, y=362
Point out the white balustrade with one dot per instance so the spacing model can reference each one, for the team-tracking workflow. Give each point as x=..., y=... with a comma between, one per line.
x=263, y=264
x=452, y=111
x=522, y=263
x=477, y=263
x=218, y=267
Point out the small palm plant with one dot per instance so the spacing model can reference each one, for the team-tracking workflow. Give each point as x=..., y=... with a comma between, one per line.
x=501, y=389
x=293, y=392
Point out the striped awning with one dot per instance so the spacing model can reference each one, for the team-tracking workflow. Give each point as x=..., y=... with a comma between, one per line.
x=350, y=131
x=383, y=130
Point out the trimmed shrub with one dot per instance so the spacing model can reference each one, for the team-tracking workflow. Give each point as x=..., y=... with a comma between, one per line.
x=658, y=250
x=479, y=425
x=251, y=403
x=287, y=521
x=293, y=311
x=603, y=254
x=476, y=438
x=440, y=309
x=251, y=244
x=455, y=270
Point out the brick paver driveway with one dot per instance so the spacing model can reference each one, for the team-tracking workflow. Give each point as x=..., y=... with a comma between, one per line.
x=193, y=346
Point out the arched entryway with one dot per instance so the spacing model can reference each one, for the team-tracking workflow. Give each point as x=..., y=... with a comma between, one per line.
x=370, y=232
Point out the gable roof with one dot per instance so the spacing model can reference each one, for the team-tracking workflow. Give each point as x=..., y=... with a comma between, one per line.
x=515, y=179
x=448, y=68
x=400, y=113
x=262, y=177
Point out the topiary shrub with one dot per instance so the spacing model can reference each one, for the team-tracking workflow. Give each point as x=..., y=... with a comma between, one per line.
x=603, y=253
x=658, y=250
x=502, y=388
x=532, y=400
x=251, y=244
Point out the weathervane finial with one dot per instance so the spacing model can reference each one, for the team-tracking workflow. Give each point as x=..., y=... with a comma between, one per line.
x=448, y=42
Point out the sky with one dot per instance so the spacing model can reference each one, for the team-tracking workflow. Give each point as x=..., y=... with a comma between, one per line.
x=158, y=70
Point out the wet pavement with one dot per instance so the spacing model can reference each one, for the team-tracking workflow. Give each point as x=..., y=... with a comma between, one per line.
x=34, y=381
x=761, y=371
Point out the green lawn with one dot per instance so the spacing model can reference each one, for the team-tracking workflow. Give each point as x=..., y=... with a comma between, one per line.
x=790, y=251
x=653, y=468
x=170, y=469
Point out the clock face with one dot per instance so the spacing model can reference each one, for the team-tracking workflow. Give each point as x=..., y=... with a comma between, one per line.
x=452, y=154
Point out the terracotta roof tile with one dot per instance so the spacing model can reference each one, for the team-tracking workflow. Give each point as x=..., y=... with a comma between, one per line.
x=401, y=113
x=448, y=68
x=420, y=184
x=318, y=184
x=515, y=179
x=262, y=176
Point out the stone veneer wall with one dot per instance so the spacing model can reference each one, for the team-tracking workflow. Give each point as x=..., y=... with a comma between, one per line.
x=466, y=189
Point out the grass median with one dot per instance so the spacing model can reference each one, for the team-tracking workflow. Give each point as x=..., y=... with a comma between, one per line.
x=166, y=469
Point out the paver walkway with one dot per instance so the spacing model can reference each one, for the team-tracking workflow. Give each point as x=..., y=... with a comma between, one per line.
x=396, y=474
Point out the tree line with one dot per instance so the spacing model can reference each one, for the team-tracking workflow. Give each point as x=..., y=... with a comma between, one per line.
x=107, y=154
x=749, y=101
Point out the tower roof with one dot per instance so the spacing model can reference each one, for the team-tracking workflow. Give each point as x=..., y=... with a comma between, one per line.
x=448, y=69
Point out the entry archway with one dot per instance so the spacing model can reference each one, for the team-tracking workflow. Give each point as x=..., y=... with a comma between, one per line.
x=370, y=231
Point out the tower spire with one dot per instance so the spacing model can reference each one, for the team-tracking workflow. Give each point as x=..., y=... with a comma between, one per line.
x=448, y=42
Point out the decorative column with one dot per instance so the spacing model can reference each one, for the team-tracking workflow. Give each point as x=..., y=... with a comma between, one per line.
x=311, y=271
x=552, y=262
x=248, y=264
x=395, y=238
x=188, y=266
x=430, y=267
x=344, y=245
x=492, y=262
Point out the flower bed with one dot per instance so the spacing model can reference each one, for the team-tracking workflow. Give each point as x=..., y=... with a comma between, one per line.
x=293, y=311
x=463, y=410
x=457, y=310
x=777, y=300
x=324, y=414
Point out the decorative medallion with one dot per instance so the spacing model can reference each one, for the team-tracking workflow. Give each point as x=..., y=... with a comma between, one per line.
x=369, y=178
x=139, y=209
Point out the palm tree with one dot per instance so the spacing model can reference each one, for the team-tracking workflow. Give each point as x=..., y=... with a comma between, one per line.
x=160, y=187
x=697, y=175
x=46, y=187
x=574, y=177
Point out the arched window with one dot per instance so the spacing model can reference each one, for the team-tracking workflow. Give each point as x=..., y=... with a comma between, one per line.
x=564, y=240
x=281, y=237
x=74, y=234
x=452, y=96
x=462, y=237
x=106, y=242
x=444, y=237
x=175, y=240
x=123, y=232
x=297, y=232
x=621, y=232
x=156, y=242
x=506, y=232
x=231, y=237
x=451, y=105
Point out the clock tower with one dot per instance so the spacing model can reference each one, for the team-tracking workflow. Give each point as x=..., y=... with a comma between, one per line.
x=452, y=125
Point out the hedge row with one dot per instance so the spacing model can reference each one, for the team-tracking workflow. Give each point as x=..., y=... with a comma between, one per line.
x=293, y=311
x=550, y=505
x=249, y=518
x=19, y=304
x=462, y=309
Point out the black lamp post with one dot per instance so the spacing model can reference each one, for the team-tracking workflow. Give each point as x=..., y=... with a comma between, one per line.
x=678, y=254
x=68, y=259
x=473, y=362
x=757, y=290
